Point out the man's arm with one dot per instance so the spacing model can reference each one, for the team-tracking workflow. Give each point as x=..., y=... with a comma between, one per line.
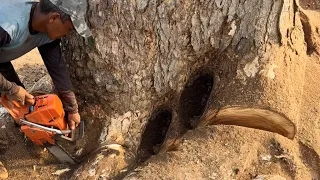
x=5, y=85
x=56, y=66
x=5, y=38
x=11, y=89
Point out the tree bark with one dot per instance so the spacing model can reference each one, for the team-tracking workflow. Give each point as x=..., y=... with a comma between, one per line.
x=172, y=63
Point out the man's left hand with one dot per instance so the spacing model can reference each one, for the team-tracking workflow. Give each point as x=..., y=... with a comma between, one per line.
x=74, y=120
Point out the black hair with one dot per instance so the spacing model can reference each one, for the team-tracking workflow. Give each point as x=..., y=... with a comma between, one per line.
x=46, y=7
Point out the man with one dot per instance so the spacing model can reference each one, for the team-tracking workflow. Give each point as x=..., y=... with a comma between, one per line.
x=25, y=25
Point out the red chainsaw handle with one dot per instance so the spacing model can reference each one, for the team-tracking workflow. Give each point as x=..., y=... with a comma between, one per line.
x=16, y=104
x=4, y=99
x=16, y=110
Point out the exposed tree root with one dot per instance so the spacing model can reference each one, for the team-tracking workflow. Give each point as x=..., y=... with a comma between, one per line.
x=256, y=118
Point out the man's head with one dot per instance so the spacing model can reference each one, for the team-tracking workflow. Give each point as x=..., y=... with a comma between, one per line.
x=64, y=16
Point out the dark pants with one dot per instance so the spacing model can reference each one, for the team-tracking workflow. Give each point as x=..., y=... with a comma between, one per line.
x=8, y=72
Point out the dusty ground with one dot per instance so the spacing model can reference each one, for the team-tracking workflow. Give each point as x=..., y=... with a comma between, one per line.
x=30, y=67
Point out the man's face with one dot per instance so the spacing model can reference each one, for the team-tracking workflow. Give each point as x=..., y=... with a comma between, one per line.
x=56, y=28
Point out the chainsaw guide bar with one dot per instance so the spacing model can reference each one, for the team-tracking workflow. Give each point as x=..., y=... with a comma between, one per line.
x=62, y=155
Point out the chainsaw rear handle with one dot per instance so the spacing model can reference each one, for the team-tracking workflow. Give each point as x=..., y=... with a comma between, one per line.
x=16, y=110
x=16, y=104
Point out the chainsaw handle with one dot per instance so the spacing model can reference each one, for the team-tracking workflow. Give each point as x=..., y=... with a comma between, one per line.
x=73, y=133
x=81, y=130
x=16, y=104
x=16, y=110
x=4, y=99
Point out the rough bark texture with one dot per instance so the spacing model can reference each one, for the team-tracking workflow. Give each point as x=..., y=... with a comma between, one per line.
x=145, y=53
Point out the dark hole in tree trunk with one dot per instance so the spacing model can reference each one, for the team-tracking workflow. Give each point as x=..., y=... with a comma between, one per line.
x=194, y=99
x=154, y=134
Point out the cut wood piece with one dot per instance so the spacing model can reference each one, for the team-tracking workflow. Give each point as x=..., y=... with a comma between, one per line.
x=257, y=118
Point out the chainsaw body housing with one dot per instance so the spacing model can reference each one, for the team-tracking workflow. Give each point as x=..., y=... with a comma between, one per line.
x=47, y=111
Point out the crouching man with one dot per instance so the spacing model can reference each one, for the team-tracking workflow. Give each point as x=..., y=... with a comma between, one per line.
x=25, y=25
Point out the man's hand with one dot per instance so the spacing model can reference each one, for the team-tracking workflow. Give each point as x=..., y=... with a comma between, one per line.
x=74, y=120
x=21, y=96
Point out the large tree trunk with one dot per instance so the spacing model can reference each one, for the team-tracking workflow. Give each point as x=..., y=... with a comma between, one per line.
x=177, y=65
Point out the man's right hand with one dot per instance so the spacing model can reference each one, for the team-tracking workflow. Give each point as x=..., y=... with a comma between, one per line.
x=21, y=96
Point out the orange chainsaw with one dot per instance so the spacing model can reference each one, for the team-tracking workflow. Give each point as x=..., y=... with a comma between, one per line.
x=45, y=123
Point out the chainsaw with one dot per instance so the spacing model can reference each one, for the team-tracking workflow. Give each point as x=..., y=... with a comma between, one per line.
x=45, y=123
